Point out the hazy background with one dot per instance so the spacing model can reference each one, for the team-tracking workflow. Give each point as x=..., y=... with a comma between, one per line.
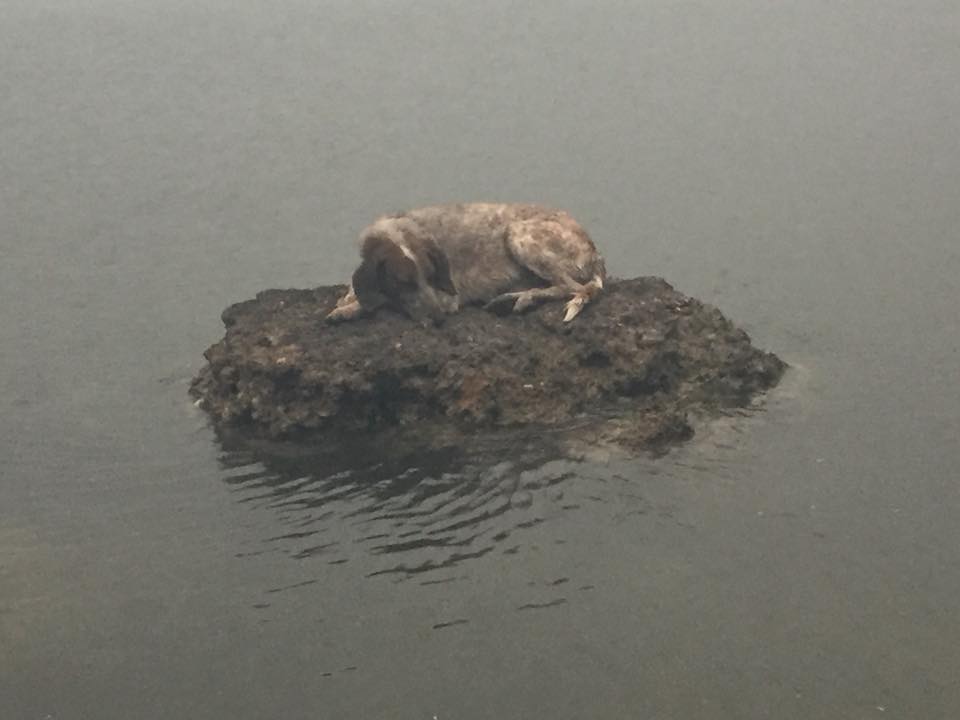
x=798, y=164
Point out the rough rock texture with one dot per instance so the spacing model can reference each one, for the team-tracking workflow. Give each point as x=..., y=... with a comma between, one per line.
x=634, y=364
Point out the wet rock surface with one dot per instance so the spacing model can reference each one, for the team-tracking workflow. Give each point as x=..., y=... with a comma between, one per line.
x=630, y=370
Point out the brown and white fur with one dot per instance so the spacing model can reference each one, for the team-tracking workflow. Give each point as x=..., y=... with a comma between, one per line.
x=432, y=261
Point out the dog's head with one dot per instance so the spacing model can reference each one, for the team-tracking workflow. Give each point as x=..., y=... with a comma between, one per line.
x=409, y=281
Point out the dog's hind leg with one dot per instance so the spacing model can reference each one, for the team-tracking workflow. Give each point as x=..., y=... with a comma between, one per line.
x=582, y=297
x=525, y=299
x=560, y=252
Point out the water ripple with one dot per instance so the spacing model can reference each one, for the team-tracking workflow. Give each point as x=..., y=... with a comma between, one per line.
x=400, y=514
x=438, y=518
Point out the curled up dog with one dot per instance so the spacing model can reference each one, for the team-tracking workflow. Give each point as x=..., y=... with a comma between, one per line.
x=430, y=262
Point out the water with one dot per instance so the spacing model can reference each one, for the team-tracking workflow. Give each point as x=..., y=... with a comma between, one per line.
x=798, y=165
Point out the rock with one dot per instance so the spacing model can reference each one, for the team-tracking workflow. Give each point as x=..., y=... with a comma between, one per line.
x=628, y=370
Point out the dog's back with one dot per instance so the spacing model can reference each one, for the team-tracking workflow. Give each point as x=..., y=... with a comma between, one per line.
x=475, y=238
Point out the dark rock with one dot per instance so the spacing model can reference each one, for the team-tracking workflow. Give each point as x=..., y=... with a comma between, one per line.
x=630, y=368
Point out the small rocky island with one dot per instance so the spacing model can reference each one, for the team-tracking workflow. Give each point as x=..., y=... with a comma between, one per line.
x=631, y=370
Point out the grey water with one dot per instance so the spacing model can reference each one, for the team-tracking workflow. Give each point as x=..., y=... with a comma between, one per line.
x=796, y=164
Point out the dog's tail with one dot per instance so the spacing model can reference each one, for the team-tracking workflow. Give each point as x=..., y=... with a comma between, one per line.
x=582, y=296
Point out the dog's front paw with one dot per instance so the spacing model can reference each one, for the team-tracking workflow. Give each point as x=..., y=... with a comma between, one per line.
x=342, y=313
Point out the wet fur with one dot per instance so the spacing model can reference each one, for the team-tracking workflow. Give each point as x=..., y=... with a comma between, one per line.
x=431, y=261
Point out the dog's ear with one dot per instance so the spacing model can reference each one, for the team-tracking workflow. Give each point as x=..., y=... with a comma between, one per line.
x=439, y=275
x=396, y=272
x=385, y=269
x=366, y=285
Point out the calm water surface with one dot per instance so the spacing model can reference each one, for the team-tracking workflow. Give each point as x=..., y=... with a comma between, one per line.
x=798, y=164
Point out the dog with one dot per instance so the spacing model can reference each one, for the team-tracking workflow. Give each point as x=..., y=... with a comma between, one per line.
x=430, y=262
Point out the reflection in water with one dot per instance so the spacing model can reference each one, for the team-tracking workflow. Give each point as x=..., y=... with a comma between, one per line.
x=416, y=512
x=355, y=519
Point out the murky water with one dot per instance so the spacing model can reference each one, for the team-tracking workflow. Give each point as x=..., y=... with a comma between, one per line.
x=796, y=164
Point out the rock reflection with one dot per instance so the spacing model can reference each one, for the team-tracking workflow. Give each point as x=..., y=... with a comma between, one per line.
x=406, y=510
